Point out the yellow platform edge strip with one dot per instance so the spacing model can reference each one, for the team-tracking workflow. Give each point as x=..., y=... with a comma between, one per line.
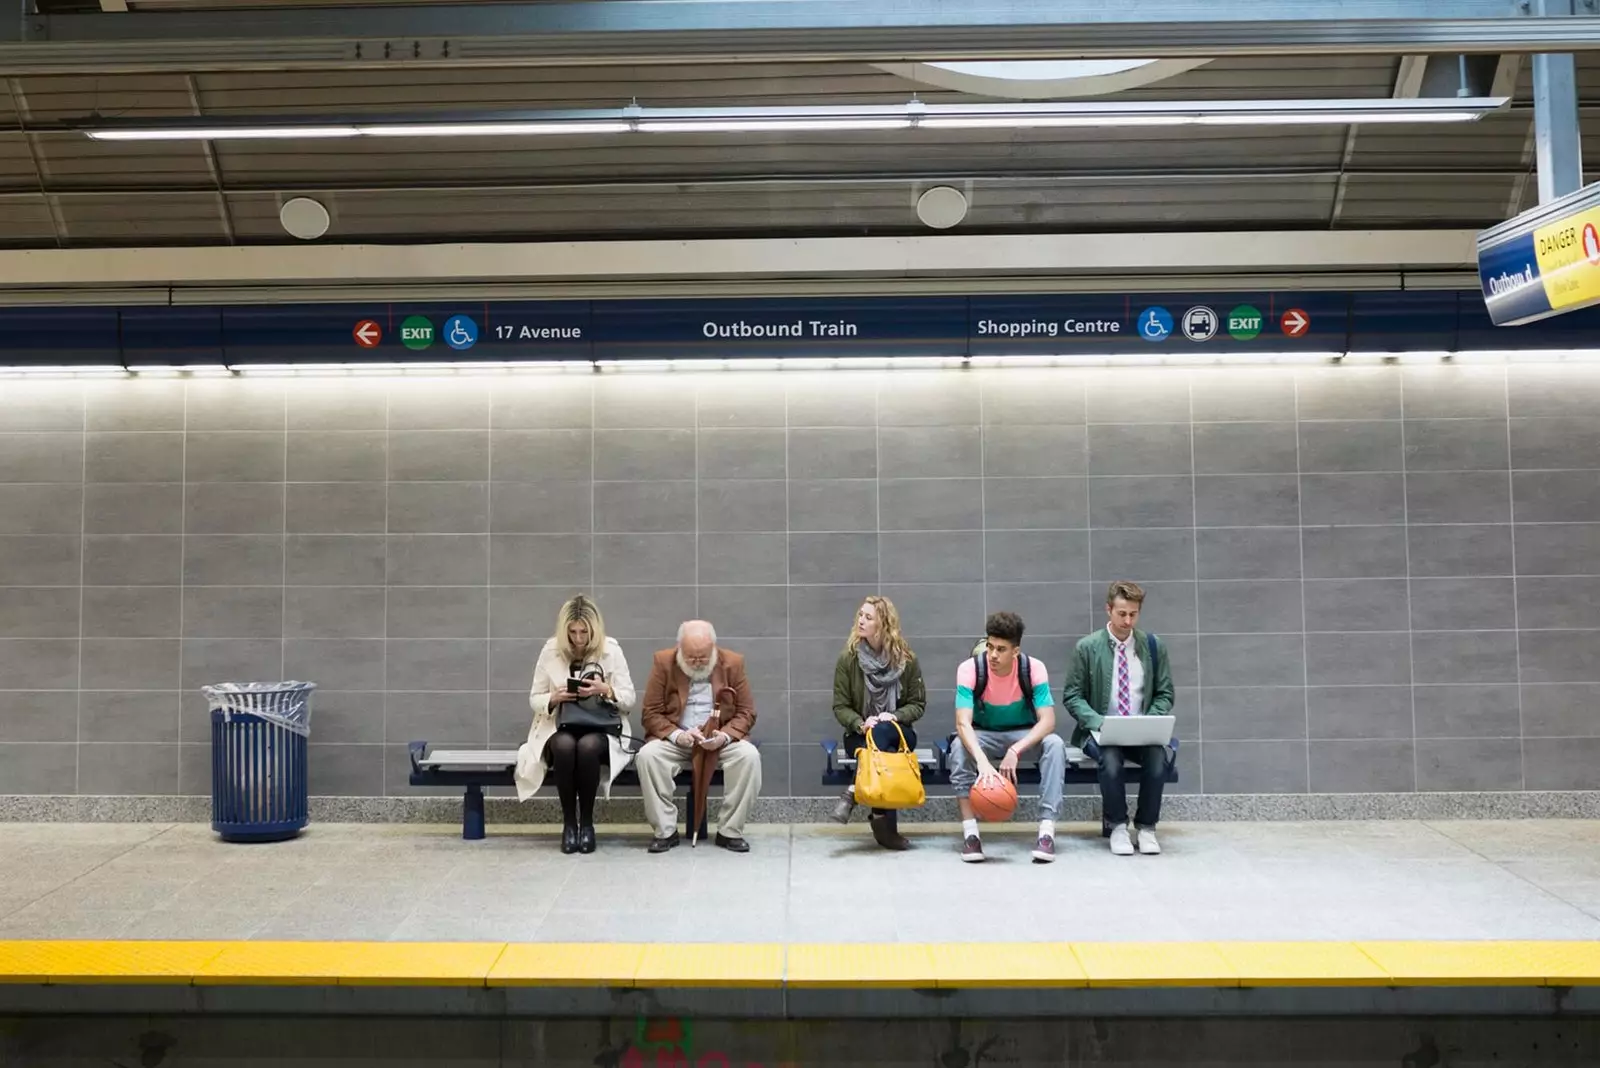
x=1053, y=965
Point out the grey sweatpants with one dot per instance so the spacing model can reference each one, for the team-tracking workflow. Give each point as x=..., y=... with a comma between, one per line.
x=1052, y=765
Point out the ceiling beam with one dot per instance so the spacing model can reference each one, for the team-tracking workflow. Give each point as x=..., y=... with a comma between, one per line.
x=704, y=182
x=881, y=257
x=571, y=32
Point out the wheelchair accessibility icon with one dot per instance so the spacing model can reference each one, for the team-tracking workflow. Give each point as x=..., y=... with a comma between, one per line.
x=1155, y=324
x=460, y=332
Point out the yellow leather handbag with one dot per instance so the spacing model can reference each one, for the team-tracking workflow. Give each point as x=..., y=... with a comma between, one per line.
x=888, y=780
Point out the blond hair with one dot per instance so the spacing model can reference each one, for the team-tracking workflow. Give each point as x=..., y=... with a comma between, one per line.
x=888, y=625
x=1124, y=591
x=580, y=610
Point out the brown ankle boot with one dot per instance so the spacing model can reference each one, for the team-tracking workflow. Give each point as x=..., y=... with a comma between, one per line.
x=886, y=829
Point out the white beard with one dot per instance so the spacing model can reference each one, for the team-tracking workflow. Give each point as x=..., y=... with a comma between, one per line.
x=697, y=674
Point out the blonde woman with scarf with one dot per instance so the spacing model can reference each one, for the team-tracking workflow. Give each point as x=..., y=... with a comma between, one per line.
x=877, y=683
x=579, y=651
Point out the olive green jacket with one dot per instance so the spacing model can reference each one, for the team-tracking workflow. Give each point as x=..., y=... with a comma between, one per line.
x=1087, y=694
x=850, y=693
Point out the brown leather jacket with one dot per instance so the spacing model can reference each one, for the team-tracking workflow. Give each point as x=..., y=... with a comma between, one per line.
x=667, y=692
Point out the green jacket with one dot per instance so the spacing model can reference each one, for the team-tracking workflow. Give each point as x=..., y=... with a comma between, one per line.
x=850, y=693
x=1087, y=695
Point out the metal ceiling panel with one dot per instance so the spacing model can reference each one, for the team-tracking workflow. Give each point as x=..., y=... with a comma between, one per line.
x=16, y=163
x=876, y=209
x=1466, y=200
x=1495, y=142
x=96, y=220
x=25, y=222
x=681, y=156
x=53, y=99
x=402, y=91
x=74, y=161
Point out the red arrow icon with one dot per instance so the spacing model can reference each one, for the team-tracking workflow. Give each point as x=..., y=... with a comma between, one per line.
x=368, y=334
x=1295, y=322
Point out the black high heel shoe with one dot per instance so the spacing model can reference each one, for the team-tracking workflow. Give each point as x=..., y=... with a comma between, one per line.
x=569, y=838
x=586, y=838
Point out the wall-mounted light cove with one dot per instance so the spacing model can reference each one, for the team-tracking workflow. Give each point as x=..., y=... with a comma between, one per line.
x=812, y=363
x=844, y=118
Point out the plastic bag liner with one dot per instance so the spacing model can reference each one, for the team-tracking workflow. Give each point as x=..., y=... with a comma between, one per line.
x=285, y=703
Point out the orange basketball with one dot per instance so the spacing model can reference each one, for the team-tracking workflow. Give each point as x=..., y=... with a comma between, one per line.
x=994, y=800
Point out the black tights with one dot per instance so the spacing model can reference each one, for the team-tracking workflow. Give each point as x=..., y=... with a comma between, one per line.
x=576, y=757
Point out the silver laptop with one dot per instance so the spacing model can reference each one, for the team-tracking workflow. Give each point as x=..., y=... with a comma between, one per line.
x=1134, y=730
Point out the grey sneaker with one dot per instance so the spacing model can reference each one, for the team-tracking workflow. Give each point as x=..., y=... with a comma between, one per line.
x=972, y=850
x=1044, y=851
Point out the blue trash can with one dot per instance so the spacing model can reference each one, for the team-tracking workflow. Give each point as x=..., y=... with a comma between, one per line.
x=259, y=733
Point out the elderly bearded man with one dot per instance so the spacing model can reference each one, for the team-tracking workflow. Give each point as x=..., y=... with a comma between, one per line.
x=679, y=701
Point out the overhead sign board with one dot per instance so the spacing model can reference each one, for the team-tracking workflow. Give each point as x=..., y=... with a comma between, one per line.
x=1544, y=262
x=1168, y=326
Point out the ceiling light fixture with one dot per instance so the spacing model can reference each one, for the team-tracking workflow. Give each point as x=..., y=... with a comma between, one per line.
x=912, y=115
x=220, y=133
x=492, y=129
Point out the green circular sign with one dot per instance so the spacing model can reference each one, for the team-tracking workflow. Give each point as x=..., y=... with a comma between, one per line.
x=416, y=332
x=1244, y=322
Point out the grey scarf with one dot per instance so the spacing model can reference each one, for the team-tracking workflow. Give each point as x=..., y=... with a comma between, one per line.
x=882, y=678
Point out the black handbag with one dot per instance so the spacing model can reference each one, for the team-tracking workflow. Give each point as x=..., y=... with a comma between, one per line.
x=590, y=713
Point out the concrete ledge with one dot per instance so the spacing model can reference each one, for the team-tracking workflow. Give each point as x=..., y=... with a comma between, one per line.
x=1208, y=808
x=570, y=1002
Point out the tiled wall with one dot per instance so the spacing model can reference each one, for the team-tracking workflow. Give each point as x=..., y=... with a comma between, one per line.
x=1371, y=579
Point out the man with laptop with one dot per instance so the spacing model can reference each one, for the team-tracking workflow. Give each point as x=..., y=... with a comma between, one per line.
x=1119, y=690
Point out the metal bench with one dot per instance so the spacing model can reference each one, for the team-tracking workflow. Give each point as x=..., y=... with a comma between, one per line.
x=1082, y=769
x=474, y=769
x=841, y=767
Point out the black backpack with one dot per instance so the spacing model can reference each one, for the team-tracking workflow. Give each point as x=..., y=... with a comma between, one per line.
x=1025, y=676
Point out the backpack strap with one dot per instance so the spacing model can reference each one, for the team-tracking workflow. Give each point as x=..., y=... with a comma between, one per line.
x=1150, y=642
x=1025, y=677
x=980, y=680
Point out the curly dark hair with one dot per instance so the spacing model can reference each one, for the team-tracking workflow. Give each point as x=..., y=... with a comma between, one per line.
x=1007, y=626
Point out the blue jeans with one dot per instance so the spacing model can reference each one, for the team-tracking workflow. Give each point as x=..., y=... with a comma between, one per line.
x=1152, y=763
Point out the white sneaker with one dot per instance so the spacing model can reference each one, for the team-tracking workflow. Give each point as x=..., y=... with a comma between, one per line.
x=1147, y=842
x=1121, y=844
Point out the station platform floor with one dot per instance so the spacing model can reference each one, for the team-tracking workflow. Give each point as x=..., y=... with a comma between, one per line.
x=1411, y=917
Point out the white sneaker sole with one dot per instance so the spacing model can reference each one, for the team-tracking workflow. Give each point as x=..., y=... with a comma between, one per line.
x=1043, y=858
x=972, y=858
x=1128, y=852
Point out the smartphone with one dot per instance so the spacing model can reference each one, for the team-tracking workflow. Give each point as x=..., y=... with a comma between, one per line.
x=573, y=685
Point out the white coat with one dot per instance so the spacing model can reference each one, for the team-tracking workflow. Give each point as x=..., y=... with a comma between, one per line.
x=550, y=672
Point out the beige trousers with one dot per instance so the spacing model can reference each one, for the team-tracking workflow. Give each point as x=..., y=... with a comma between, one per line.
x=659, y=761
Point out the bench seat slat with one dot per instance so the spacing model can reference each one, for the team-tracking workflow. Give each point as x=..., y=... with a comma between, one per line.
x=470, y=758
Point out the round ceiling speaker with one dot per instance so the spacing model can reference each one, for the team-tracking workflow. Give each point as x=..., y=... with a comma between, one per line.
x=304, y=218
x=942, y=207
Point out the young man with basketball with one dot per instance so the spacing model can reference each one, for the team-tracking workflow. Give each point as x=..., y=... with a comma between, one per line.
x=1121, y=670
x=1004, y=709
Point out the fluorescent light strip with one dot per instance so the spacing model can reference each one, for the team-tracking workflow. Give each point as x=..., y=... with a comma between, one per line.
x=165, y=370
x=821, y=363
x=866, y=117
x=51, y=371
x=494, y=129
x=769, y=125
x=223, y=133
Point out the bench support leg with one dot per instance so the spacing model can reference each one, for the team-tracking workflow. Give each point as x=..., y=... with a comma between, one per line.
x=472, y=813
